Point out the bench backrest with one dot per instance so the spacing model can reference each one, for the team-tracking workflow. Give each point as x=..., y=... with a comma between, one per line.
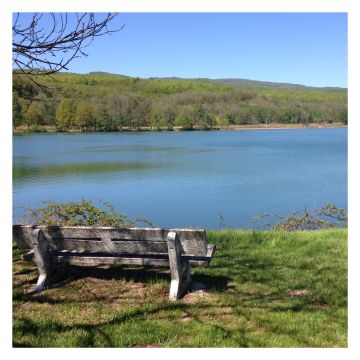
x=113, y=240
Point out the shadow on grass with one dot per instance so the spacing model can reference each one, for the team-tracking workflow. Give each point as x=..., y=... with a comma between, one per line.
x=24, y=344
x=143, y=275
x=29, y=327
x=24, y=272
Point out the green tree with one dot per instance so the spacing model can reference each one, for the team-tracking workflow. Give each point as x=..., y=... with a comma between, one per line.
x=198, y=115
x=230, y=118
x=34, y=114
x=103, y=120
x=138, y=111
x=210, y=119
x=65, y=114
x=158, y=120
x=170, y=116
x=343, y=116
x=17, y=114
x=201, y=118
x=123, y=101
x=49, y=112
x=84, y=117
x=185, y=121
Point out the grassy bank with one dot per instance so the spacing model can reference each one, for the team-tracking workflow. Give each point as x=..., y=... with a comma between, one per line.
x=264, y=289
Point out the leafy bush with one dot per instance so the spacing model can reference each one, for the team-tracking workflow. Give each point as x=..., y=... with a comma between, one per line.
x=83, y=213
x=328, y=216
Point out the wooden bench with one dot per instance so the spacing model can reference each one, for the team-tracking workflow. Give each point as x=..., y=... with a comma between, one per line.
x=180, y=249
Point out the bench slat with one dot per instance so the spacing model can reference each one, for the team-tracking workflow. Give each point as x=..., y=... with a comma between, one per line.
x=131, y=240
x=145, y=261
x=151, y=259
x=110, y=246
x=95, y=260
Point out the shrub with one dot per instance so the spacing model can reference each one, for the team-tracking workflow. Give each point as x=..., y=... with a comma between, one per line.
x=83, y=213
x=328, y=216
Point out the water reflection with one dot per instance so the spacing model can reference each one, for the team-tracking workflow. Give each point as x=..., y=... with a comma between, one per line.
x=23, y=172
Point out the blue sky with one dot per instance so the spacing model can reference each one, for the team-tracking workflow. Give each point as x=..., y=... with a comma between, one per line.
x=303, y=48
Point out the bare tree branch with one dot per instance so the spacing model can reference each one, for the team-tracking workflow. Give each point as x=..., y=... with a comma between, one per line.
x=47, y=42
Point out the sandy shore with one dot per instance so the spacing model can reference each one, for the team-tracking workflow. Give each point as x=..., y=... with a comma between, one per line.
x=273, y=126
x=279, y=126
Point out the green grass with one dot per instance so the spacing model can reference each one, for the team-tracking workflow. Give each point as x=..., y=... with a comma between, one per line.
x=265, y=289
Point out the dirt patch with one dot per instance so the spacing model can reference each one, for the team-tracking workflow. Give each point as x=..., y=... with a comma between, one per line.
x=134, y=289
x=197, y=293
x=320, y=306
x=147, y=346
x=300, y=293
x=185, y=317
x=223, y=313
x=158, y=291
x=195, y=296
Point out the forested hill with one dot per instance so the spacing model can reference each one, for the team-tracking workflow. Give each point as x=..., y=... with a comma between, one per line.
x=107, y=102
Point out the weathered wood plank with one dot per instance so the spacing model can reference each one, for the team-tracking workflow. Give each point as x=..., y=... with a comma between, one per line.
x=95, y=260
x=118, y=246
x=112, y=239
x=130, y=258
x=22, y=236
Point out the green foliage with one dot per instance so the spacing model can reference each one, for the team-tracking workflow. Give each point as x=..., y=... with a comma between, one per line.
x=84, y=116
x=83, y=213
x=170, y=116
x=184, y=121
x=34, y=114
x=65, y=114
x=201, y=118
x=230, y=118
x=137, y=111
x=24, y=88
x=220, y=121
x=158, y=120
x=103, y=120
x=106, y=102
x=17, y=114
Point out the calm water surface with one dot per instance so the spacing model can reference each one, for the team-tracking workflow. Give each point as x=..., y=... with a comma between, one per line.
x=181, y=179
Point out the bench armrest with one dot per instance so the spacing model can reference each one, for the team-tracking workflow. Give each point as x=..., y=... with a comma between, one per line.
x=210, y=250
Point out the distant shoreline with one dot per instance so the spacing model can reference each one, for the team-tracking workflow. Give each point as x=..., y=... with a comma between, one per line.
x=273, y=126
x=279, y=126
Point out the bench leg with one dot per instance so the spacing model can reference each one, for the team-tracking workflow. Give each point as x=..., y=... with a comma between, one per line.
x=42, y=259
x=29, y=256
x=187, y=279
x=180, y=271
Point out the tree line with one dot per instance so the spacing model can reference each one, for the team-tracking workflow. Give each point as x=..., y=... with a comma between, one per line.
x=107, y=102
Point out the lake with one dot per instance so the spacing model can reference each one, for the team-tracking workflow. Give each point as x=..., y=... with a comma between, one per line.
x=185, y=179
